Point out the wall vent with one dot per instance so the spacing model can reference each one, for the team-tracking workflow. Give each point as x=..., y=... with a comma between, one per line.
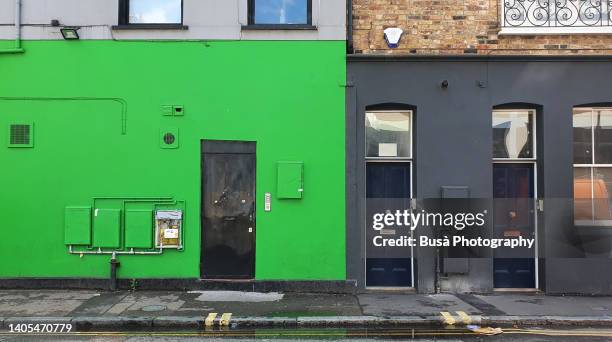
x=21, y=135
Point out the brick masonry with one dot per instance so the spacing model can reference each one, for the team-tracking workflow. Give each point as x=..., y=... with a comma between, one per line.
x=456, y=27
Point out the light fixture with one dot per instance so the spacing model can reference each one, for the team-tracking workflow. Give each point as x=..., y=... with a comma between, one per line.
x=70, y=33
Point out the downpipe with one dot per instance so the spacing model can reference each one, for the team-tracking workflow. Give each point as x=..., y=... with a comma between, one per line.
x=17, y=48
x=114, y=264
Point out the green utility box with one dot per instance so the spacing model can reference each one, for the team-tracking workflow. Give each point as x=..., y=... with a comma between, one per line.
x=139, y=228
x=77, y=225
x=290, y=179
x=107, y=227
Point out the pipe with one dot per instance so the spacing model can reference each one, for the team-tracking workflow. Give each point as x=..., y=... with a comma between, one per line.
x=121, y=101
x=17, y=48
x=349, y=26
x=113, y=272
x=101, y=252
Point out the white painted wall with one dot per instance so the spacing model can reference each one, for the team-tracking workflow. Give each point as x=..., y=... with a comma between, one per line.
x=207, y=20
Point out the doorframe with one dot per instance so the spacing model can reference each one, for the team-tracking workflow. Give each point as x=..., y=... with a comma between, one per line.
x=529, y=161
x=402, y=160
x=201, y=209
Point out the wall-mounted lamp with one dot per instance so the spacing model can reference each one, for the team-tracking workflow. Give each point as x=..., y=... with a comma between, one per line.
x=70, y=33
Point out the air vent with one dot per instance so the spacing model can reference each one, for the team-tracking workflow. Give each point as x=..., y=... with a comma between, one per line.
x=169, y=138
x=21, y=135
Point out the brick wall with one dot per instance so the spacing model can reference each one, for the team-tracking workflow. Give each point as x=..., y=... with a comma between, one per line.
x=456, y=27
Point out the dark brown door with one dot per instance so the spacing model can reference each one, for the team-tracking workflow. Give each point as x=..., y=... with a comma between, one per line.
x=228, y=210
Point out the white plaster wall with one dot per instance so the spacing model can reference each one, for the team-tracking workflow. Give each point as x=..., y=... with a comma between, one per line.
x=207, y=20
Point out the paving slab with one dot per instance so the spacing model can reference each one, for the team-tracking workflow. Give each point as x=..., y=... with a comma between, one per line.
x=42, y=303
x=541, y=305
x=412, y=304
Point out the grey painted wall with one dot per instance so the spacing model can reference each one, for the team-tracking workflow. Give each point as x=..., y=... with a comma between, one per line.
x=207, y=19
x=453, y=146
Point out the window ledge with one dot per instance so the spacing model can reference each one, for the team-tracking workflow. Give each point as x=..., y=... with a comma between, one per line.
x=534, y=31
x=151, y=27
x=278, y=27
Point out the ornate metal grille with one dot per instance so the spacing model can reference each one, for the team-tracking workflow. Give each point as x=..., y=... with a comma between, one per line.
x=557, y=13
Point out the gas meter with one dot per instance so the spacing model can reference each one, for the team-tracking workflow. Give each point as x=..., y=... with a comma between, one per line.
x=168, y=229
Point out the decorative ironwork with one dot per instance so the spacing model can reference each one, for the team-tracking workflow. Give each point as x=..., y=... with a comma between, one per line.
x=557, y=13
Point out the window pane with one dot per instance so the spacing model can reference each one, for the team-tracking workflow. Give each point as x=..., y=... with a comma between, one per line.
x=512, y=134
x=155, y=12
x=602, y=188
x=583, y=205
x=388, y=134
x=582, y=136
x=281, y=11
x=592, y=197
x=603, y=136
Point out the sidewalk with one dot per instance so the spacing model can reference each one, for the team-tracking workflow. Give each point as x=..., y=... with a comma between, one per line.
x=93, y=310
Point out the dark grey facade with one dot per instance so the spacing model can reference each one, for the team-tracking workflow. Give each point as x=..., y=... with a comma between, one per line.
x=452, y=140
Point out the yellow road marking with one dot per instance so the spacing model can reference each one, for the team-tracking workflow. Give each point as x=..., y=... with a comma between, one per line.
x=448, y=318
x=225, y=319
x=210, y=319
x=464, y=317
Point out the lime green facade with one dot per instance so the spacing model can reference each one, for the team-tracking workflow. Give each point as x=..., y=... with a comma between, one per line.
x=97, y=110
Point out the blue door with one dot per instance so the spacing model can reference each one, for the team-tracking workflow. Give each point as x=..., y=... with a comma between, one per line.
x=514, y=217
x=387, y=189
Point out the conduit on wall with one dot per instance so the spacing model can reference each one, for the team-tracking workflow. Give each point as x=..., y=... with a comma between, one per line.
x=17, y=48
x=114, y=99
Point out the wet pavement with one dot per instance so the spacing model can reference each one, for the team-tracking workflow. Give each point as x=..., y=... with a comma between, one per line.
x=166, y=312
x=29, y=303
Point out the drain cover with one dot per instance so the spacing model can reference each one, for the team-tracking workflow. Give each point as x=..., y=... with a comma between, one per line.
x=154, y=308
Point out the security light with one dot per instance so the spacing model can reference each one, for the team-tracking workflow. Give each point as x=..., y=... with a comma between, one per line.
x=70, y=33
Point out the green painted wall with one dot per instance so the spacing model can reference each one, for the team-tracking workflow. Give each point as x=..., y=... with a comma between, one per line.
x=287, y=96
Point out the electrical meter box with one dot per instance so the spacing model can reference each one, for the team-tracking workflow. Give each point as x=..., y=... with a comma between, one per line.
x=168, y=229
x=290, y=179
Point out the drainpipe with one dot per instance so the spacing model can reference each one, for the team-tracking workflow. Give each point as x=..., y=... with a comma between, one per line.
x=349, y=27
x=17, y=48
x=114, y=263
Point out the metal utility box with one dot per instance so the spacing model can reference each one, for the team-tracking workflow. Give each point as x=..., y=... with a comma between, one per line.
x=290, y=179
x=139, y=228
x=77, y=225
x=168, y=229
x=107, y=227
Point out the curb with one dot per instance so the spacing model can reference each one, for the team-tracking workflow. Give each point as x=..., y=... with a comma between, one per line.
x=120, y=323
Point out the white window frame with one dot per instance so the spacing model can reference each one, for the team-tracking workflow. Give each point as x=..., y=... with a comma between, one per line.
x=591, y=166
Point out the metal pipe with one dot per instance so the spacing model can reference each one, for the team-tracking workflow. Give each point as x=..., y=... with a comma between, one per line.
x=17, y=48
x=102, y=252
x=121, y=101
x=349, y=27
x=113, y=272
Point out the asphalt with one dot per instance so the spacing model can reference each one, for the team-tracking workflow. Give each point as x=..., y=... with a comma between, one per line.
x=126, y=311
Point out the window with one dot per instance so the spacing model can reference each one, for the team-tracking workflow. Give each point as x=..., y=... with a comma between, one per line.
x=513, y=134
x=150, y=12
x=592, y=166
x=388, y=135
x=280, y=12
